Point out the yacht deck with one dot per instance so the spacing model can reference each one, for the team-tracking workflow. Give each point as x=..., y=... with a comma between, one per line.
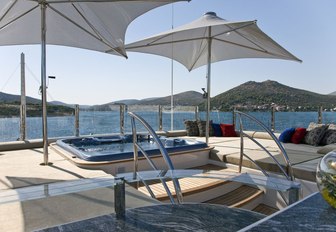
x=304, y=158
x=21, y=168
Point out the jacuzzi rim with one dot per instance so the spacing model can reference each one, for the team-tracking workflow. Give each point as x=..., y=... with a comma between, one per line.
x=84, y=163
x=78, y=155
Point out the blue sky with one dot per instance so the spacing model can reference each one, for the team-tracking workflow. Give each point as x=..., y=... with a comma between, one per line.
x=304, y=27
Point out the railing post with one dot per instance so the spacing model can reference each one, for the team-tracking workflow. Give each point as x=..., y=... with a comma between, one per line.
x=319, y=115
x=241, y=129
x=234, y=117
x=119, y=198
x=160, y=118
x=272, y=118
x=293, y=195
x=23, y=112
x=23, y=122
x=135, y=148
x=77, y=120
x=122, y=119
x=196, y=113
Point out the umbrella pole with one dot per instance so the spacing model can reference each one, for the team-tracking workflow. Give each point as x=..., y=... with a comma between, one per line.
x=172, y=97
x=207, y=128
x=43, y=83
x=172, y=77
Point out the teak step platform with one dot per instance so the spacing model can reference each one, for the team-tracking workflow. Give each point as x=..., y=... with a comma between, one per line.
x=238, y=197
x=265, y=209
x=189, y=185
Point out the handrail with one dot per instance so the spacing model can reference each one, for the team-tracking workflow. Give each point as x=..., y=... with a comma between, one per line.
x=163, y=151
x=278, y=184
x=269, y=182
x=289, y=174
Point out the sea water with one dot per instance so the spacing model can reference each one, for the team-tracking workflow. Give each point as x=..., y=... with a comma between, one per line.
x=105, y=122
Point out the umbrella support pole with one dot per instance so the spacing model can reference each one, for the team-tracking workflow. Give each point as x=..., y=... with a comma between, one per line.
x=208, y=89
x=43, y=83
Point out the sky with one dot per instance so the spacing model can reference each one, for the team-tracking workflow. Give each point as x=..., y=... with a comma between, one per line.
x=303, y=27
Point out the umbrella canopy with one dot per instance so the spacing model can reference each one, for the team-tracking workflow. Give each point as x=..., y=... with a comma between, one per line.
x=98, y=25
x=210, y=39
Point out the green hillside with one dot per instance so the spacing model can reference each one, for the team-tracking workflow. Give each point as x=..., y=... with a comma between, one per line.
x=259, y=95
x=189, y=98
x=33, y=110
x=11, y=98
x=248, y=96
x=10, y=107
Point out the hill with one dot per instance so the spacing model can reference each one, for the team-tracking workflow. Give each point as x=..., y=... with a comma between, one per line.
x=260, y=95
x=250, y=96
x=33, y=110
x=10, y=107
x=189, y=98
x=11, y=98
x=126, y=102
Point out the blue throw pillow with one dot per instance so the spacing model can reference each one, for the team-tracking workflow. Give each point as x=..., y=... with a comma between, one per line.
x=286, y=135
x=217, y=130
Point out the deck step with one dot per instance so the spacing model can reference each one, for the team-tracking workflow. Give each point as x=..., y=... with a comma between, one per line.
x=238, y=197
x=188, y=186
x=265, y=209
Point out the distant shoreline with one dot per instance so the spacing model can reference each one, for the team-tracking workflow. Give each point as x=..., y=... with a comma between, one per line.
x=9, y=110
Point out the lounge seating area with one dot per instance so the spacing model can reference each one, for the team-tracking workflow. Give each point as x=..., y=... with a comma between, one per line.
x=198, y=128
x=315, y=134
x=304, y=158
x=304, y=146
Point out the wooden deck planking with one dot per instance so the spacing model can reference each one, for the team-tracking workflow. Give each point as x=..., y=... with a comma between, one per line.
x=189, y=185
x=237, y=197
x=265, y=209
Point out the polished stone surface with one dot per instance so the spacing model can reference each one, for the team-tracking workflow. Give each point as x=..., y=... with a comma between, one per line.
x=185, y=217
x=311, y=214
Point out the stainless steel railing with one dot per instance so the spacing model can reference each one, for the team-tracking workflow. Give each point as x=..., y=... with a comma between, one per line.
x=288, y=173
x=137, y=147
x=86, y=122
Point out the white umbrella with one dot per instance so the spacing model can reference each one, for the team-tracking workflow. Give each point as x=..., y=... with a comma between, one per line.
x=210, y=39
x=98, y=25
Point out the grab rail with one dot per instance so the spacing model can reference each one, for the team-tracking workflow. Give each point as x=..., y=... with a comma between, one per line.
x=164, y=153
x=289, y=174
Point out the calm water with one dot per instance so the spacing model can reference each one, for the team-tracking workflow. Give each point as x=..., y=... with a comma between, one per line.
x=109, y=122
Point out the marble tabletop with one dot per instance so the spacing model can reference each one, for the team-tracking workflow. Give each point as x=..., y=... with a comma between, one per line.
x=184, y=217
x=310, y=214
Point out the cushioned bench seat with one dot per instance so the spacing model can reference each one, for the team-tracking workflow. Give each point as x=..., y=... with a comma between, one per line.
x=304, y=158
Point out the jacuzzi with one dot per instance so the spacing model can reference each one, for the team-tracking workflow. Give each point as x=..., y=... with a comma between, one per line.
x=114, y=154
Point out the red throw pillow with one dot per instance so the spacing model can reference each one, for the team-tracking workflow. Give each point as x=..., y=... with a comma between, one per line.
x=298, y=135
x=228, y=130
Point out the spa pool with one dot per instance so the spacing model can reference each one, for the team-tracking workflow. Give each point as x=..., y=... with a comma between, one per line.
x=114, y=154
